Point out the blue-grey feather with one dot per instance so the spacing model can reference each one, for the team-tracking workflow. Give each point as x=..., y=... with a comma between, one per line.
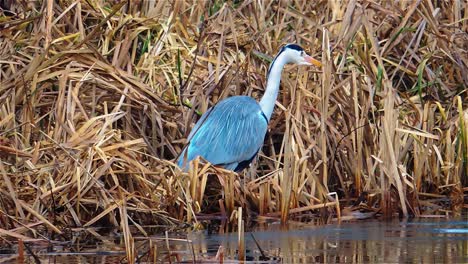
x=228, y=134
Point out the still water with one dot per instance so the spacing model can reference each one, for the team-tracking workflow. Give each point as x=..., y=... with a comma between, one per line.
x=354, y=242
x=416, y=241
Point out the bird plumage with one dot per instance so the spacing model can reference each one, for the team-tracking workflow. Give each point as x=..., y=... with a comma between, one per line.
x=237, y=120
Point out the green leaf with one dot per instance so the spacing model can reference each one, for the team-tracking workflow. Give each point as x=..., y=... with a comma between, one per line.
x=379, y=78
x=420, y=85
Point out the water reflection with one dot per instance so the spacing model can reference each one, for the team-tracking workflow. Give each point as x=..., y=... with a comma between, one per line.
x=356, y=242
x=420, y=241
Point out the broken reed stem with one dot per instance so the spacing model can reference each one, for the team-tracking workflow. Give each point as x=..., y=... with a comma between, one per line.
x=220, y=255
x=241, y=235
x=20, y=258
x=169, y=251
x=229, y=191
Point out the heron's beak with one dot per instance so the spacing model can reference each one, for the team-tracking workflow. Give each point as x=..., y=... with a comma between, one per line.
x=313, y=61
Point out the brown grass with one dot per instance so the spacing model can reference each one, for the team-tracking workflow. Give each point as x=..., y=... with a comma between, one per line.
x=97, y=98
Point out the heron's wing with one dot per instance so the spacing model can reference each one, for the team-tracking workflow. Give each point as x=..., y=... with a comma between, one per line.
x=231, y=132
x=183, y=155
x=199, y=123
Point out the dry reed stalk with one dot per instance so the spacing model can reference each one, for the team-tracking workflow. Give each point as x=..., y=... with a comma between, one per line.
x=307, y=208
x=285, y=176
x=168, y=247
x=153, y=252
x=220, y=255
x=20, y=258
x=128, y=238
x=18, y=236
x=241, y=235
x=325, y=92
x=229, y=191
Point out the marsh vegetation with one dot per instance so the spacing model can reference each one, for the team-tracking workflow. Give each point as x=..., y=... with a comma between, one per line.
x=97, y=99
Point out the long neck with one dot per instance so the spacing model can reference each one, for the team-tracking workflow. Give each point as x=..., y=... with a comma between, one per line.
x=267, y=103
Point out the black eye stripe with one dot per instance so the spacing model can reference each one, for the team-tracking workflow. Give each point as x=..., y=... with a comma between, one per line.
x=294, y=47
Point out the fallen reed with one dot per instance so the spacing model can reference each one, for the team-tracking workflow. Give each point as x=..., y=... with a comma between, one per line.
x=97, y=99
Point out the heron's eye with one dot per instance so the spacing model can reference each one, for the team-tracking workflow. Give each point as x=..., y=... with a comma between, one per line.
x=302, y=53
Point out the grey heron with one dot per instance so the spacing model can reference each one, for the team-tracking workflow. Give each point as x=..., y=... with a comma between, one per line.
x=231, y=133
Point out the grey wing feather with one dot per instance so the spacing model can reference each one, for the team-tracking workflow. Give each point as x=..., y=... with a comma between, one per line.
x=199, y=123
x=230, y=132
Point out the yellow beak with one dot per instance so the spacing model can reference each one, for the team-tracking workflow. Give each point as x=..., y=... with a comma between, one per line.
x=313, y=61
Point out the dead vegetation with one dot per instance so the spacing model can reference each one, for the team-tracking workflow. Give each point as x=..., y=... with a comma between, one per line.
x=97, y=98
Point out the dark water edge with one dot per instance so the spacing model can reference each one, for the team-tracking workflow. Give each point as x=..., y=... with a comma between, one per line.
x=415, y=241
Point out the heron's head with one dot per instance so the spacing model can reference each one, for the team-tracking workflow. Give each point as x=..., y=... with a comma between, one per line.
x=296, y=54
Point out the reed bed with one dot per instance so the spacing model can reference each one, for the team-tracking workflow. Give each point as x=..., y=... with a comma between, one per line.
x=97, y=99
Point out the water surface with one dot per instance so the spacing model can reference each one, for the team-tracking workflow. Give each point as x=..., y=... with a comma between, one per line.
x=416, y=241
x=419, y=241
